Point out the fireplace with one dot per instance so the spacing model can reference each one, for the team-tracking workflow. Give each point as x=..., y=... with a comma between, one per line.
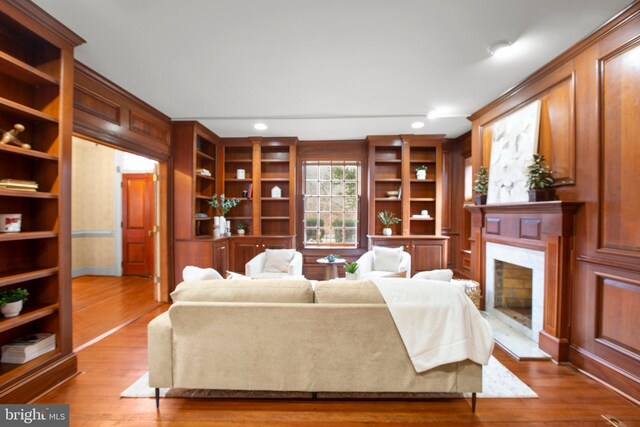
x=515, y=287
x=513, y=291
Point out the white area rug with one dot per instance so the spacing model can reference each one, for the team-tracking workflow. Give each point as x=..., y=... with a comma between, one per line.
x=497, y=382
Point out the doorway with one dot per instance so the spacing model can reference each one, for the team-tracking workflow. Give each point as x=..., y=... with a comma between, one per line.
x=115, y=248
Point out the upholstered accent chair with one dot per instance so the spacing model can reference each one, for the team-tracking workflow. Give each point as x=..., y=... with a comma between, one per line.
x=274, y=264
x=384, y=262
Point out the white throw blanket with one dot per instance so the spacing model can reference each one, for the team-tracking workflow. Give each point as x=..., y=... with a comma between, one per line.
x=438, y=323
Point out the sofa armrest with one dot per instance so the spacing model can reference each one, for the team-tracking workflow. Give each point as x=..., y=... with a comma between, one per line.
x=295, y=267
x=255, y=266
x=405, y=264
x=160, y=351
x=365, y=264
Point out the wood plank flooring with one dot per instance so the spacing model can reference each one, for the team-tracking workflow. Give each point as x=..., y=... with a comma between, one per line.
x=567, y=398
x=102, y=303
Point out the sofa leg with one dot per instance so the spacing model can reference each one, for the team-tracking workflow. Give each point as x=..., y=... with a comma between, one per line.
x=157, y=398
x=473, y=403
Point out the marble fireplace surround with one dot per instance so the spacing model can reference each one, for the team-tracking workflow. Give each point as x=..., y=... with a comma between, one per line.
x=538, y=234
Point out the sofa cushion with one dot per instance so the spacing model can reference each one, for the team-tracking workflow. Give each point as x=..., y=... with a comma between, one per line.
x=443, y=275
x=267, y=291
x=278, y=260
x=387, y=259
x=231, y=275
x=347, y=292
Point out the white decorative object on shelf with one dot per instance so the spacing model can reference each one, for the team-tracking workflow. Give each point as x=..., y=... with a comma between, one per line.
x=240, y=174
x=10, y=223
x=387, y=231
x=425, y=213
x=276, y=192
x=216, y=226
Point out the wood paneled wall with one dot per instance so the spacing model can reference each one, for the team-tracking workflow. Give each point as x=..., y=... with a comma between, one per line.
x=589, y=133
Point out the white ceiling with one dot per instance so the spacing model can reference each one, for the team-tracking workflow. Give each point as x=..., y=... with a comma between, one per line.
x=332, y=69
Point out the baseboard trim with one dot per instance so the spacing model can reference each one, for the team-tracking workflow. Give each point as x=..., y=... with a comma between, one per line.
x=41, y=380
x=606, y=374
x=93, y=271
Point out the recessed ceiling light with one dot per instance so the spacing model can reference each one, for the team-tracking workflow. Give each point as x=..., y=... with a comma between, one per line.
x=499, y=48
x=260, y=126
x=417, y=125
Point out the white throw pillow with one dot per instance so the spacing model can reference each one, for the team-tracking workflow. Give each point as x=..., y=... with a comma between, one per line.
x=278, y=260
x=443, y=275
x=191, y=274
x=387, y=259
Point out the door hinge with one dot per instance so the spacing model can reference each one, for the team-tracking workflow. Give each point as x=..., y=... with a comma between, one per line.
x=155, y=177
x=121, y=224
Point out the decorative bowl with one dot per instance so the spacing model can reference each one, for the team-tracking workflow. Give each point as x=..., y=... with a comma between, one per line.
x=392, y=193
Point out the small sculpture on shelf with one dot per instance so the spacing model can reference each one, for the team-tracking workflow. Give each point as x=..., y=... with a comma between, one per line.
x=11, y=137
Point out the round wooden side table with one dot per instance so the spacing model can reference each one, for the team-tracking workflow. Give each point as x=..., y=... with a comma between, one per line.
x=331, y=268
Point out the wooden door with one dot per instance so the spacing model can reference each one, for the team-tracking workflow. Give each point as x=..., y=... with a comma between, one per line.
x=242, y=250
x=137, y=224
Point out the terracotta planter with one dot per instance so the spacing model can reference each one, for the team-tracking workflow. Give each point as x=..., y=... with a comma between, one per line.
x=11, y=309
x=542, y=195
x=481, y=199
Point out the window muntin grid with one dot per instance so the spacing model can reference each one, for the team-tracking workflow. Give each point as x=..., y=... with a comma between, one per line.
x=331, y=197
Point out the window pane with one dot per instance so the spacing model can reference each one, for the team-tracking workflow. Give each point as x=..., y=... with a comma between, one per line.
x=325, y=188
x=337, y=189
x=325, y=173
x=350, y=219
x=351, y=204
x=311, y=172
x=312, y=188
x=351, y=189
x=350, y=235
x=325, y=204
x=311, y=204
x=337, y=173
x=351, y=173
x=337, y=204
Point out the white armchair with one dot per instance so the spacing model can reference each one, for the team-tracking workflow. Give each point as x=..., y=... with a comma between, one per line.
x=255, y=268
x=366, y=266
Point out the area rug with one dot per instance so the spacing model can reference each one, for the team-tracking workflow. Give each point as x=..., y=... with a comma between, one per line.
x=497, y=382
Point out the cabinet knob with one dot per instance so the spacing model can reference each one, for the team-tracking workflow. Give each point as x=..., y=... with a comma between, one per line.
x=257, y=246
x=223, y=248
x=263, y=246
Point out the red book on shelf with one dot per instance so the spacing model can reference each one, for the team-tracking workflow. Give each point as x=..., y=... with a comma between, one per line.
x=251, y=191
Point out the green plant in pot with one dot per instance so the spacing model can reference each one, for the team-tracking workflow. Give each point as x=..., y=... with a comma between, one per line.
x=11, y=301
x=387, y=218
x=242, y=228
x=332, y=257
x=481, y=186
x=539, y=180
x=421, y=172
x=350, y=270
x=222, y=207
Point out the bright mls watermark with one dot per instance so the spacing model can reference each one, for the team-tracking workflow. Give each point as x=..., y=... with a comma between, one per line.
x=34, y=415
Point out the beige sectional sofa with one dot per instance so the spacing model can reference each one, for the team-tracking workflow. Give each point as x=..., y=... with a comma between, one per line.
x=280, y=335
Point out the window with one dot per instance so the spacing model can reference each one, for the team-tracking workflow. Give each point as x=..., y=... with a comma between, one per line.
x=331, y=203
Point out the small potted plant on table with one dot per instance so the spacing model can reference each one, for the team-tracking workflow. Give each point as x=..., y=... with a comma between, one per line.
x=386, y=219
x=350, y=271
x=539, y=180
x=481, y=186
x=11, y=301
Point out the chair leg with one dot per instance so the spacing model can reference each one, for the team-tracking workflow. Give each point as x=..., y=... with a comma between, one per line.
x=473, y=403
x=157, y=398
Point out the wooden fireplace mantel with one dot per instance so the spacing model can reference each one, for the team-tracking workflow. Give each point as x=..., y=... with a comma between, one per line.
x=543, y=226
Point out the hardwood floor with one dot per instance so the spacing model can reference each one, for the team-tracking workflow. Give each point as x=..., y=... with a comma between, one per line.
x=567, y=398
x=102, y=303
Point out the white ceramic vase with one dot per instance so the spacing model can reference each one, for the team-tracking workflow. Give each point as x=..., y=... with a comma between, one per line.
x=240, y=232
x=350, y=276
x=11, y=309
x=421, y=174
x=387, y=231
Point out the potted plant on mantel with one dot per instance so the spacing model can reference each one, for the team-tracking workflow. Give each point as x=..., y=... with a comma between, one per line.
x=481, y=186
x=386, y=219
x=11, y=301
x=539, y=180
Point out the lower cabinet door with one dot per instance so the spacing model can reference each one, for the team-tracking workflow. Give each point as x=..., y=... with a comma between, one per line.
x=243, y=249
x=429, y=255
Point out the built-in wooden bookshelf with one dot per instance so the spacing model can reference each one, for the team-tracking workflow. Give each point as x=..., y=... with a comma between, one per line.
x=240, y=157
x=36, y=87
x=386, y=172
x=277, y=160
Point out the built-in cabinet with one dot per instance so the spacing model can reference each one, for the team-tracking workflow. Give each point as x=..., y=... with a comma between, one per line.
x=36, y=91
x=244, y=248
x=395, y=187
